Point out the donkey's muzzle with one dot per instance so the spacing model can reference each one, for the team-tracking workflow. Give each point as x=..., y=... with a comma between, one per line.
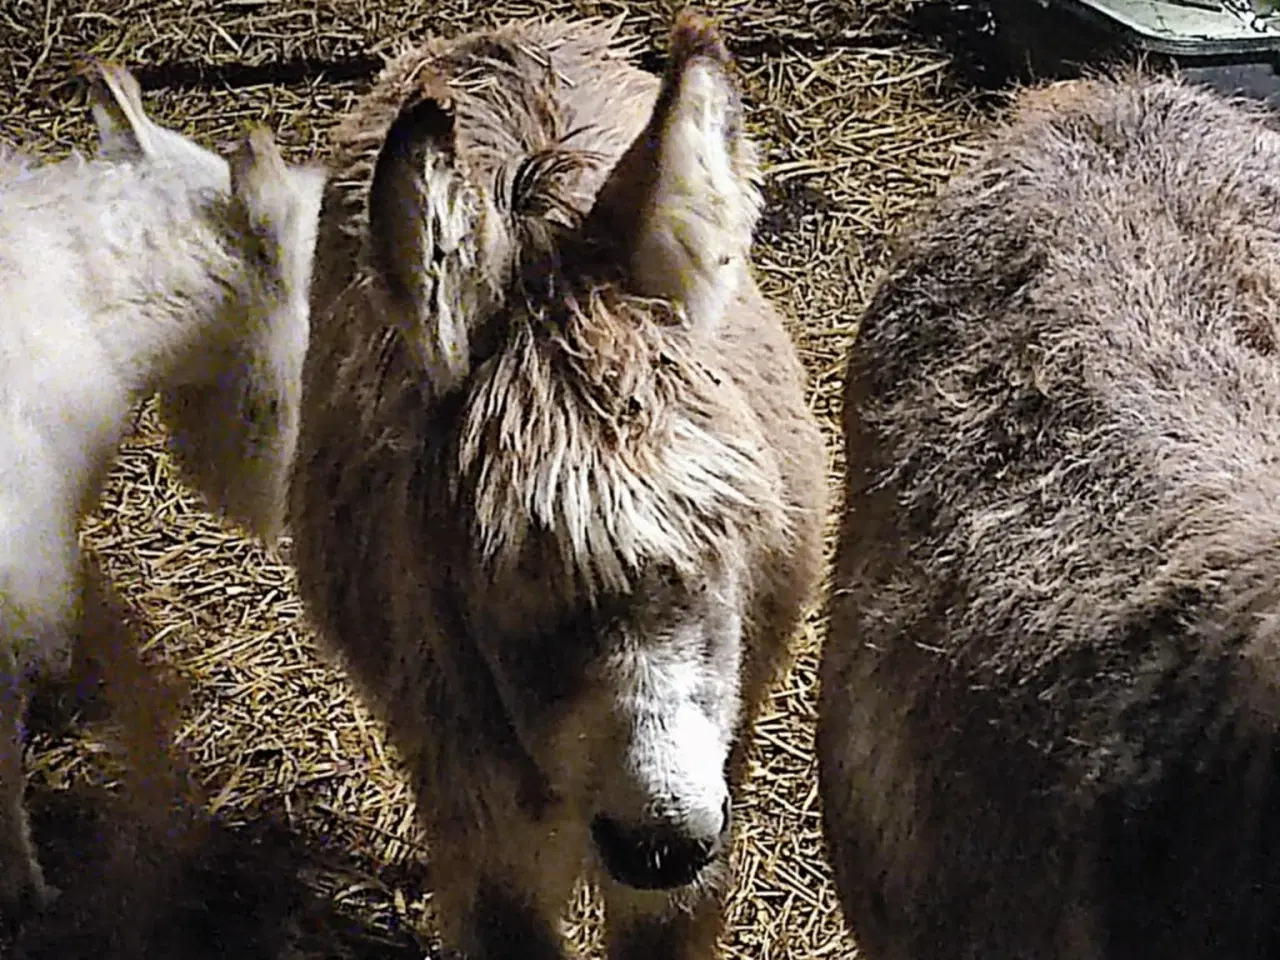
x=658, y=856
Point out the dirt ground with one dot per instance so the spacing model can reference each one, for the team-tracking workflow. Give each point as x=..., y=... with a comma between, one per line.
x=309, y=848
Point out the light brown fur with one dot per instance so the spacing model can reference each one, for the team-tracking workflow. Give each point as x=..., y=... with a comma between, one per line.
x=526, y=482
x=1049, y=712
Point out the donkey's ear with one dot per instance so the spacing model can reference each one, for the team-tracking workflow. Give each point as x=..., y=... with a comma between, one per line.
x=422, y=220
x=685, y=195
x=126, y=133
x=278, y=197
x=256, y=165
x=115, y=99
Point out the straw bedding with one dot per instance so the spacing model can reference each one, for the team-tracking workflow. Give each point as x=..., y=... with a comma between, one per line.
x=309, y=848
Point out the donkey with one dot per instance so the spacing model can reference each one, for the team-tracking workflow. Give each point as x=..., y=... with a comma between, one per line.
x=1049, y=717
x=155, y=264
x=558, y=497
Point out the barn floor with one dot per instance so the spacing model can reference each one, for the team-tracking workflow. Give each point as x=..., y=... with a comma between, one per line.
x=310, y=849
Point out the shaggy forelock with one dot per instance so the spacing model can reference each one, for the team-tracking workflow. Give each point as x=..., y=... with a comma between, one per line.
x=601, y=424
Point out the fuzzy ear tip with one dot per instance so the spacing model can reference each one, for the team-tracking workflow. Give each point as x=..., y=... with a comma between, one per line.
x=260, y=142
x=91, y=68
x=105, y=72
x=88, y=68
x=255, y=149
x=696, y=35
x=97, y=74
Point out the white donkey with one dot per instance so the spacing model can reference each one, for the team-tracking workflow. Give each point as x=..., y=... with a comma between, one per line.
x=155, y=265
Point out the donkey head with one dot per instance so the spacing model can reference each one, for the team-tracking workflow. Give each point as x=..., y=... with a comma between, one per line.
x=233, y=425
x=611, y=469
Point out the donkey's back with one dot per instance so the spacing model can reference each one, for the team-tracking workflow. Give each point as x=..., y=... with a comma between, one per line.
x=1050, y=712
x=49, y=215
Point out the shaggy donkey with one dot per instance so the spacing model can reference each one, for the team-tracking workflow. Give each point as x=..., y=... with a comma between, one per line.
x=1050, y=708
x=558, y=497
x=155, y=264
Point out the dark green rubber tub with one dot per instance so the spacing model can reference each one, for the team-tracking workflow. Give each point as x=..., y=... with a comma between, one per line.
x=1231, y=45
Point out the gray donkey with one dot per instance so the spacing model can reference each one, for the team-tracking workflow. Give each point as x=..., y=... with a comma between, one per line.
x=155, y=265
x=558, y=499
x=1050, y=701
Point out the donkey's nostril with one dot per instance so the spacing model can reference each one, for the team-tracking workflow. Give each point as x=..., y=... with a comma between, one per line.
x=657, y=857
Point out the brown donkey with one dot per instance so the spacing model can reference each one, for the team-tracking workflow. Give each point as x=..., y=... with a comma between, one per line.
x=1050, y=709
x=559, y=497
